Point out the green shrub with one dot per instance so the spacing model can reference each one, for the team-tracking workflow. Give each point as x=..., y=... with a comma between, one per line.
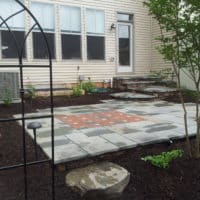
x=77, y=91
x=164, y=159
x=7, y=98
x=31, y=91
x=88, y=86
x=194, y=95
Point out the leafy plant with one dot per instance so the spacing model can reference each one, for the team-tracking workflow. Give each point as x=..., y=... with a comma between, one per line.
x=88, y=86
x=179, y=28
x=77, y=91
x=164, y=159
x=7, y=99
x=31, y=92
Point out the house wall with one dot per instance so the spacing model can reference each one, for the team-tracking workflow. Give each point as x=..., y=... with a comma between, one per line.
x=158, y=62
x=65, y=71
x=187, y=82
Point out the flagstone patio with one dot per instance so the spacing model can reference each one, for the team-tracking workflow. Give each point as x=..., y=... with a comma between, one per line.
x=91, y=130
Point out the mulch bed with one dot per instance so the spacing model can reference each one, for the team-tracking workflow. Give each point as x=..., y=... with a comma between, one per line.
x=180, y=182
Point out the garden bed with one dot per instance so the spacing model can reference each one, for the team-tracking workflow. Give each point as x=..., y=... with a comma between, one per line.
x=180, y=182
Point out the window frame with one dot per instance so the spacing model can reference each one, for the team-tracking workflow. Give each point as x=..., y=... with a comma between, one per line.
x=14, y=29
x=45, y=31
x=1, y=46
x=95, y=35
x=125, y=21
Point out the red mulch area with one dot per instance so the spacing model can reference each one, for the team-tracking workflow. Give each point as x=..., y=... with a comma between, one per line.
x=180, y=182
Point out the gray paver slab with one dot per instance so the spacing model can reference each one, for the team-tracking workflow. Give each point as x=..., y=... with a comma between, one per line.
x=171, y=134
x=93, y=145
x=90, y=132
x=57, y=132
x=66, y=153
x=145, y=139
x=123, y=129
x=56, y=143
x=120, y=141
x=48, y=139
x=160, y=127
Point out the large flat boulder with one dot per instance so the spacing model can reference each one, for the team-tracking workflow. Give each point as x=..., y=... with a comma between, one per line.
x=97, y=181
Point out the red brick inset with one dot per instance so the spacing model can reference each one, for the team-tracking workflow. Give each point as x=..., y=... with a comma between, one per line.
x=98, y=119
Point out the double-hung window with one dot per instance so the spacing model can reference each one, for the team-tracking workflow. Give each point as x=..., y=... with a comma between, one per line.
x=45, y=15
x=16, y=24
x=70, y=23
x=95, y=34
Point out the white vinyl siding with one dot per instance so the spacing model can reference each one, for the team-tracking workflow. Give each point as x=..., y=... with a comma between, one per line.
x=158, y=62
x=65, y=71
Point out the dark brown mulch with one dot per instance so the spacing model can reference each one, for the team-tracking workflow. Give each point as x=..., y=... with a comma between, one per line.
x=180, y=182
x=188, y=98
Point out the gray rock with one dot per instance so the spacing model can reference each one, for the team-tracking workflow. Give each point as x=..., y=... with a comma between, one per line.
x=97, y=181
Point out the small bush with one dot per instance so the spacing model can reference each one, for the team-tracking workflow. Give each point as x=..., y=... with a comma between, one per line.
x=190, y=93
x=77, y=91
x=7, y=98
x=164, y=159
x=88, y=86
x=31, y=92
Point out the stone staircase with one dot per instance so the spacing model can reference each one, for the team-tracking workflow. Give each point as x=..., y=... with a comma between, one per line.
x=141, y=88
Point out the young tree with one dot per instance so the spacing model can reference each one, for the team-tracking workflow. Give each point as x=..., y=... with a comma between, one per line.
x=179, y=22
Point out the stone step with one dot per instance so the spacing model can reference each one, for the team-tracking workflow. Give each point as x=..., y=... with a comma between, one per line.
x=157, y=89
x=135, y=85
x=136, y=78
x=123, y=82
x=132, y=96
x=138, y=82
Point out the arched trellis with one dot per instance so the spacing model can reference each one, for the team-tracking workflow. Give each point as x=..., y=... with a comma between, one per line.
x=20, y=50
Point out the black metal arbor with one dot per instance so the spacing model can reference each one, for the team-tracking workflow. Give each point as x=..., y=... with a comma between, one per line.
x=20, y=50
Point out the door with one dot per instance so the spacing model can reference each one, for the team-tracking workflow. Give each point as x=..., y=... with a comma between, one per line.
x=125, y=48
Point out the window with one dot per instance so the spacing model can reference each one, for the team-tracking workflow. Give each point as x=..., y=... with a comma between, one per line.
x=16, y=24
x=45, y=16
x=124, y=44
x=124, y=17
x=70, y=19
x=125, y=40
x=95, y=34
